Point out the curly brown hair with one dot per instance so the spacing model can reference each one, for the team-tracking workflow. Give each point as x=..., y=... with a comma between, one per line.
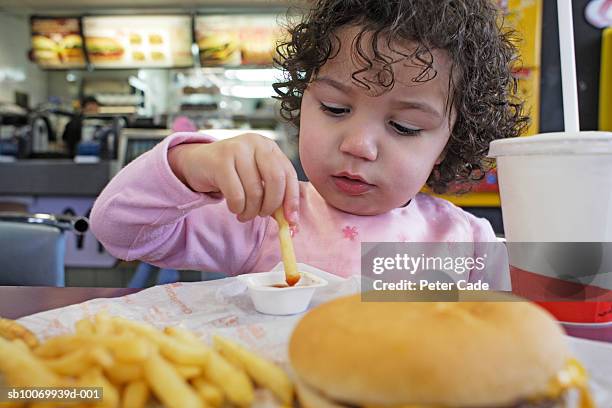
x=481, y=86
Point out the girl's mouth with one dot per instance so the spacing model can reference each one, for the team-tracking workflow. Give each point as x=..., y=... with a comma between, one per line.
x=352, y=186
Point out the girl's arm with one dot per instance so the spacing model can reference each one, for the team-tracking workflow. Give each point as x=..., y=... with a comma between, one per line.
x=147, y=213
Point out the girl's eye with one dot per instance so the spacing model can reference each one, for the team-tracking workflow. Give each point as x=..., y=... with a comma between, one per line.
x=334, y=110
x=402, y=130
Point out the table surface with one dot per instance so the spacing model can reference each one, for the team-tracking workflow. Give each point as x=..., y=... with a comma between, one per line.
x=20, y=301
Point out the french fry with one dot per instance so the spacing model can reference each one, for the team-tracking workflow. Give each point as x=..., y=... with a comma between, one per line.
x=181, y=353
x=57, y=346
x=84, y=326
x=101, y=356
x=125, y=347
x=121, y=373
x=292, y=276
x=110, y=394
x=208, y=392
x=20, y=343
x=77, y=362
x=10, y=329
x=182, y=334
x=104, y=325
x=135, y=394
x=22, y=369
x=262, y=371
x=188, y=371
x=233, y=381
x=167, y=385
x=132, y=360
x=169, y=347
x=69, y=364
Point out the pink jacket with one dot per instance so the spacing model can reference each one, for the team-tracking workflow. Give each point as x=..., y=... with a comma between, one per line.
x=146, y=213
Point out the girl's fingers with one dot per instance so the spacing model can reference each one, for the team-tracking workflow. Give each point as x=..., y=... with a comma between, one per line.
x=253, y=188
x=230, y=186
x=291, y=201
x=257, y=179
x=273, y=175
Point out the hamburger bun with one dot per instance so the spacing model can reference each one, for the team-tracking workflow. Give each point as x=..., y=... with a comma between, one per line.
x=72, y=41
x=45, y=50
x=41, y=42
x=72, y=51
x=46, y=57
x=425, y=354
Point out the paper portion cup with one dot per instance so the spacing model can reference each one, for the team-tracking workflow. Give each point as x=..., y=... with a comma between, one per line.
x=269, y=298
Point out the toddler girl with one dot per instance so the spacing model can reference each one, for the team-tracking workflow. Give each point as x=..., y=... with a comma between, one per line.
x=388, y=96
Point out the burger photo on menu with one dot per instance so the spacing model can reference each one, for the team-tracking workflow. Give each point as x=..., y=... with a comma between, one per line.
x=72, y=48
x=57, y=42
x=151, y=41
x=45, y=50
x=220, y=48
x=101, y=49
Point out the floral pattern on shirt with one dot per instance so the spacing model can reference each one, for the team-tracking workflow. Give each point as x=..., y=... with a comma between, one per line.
x=350, y=232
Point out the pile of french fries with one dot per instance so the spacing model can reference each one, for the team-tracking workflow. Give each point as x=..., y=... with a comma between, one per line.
x=138, y=365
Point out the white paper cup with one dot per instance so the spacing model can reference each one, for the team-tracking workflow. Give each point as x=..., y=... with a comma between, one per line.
x=272, y=300
x=556, y=187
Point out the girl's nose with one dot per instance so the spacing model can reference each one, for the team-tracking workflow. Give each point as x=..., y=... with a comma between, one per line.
x=361, y=142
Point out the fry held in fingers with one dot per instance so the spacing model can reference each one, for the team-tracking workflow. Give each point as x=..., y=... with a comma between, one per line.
x=292, y=276
x=249, y=171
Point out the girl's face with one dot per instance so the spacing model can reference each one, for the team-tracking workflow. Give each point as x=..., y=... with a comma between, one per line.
x=367, y=154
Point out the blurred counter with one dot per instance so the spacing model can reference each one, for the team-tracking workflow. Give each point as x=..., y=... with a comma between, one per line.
x=40, y=299
x=54, y=177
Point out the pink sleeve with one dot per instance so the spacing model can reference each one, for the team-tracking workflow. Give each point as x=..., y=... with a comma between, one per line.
x=146, y=213
x=497, y=271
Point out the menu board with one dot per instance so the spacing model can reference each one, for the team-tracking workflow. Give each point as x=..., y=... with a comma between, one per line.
x=57, y=42
x=232, y=40
x=138, y=41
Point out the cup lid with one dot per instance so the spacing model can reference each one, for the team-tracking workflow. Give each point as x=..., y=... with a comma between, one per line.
x=553, y=143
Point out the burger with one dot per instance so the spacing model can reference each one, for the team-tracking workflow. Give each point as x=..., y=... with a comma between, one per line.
x=103, y=49
x=72, y=49
x=45, y=50
x=219, y=48
x=467, y=354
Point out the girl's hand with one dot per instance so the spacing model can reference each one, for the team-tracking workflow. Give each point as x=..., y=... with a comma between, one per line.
x=249, y=170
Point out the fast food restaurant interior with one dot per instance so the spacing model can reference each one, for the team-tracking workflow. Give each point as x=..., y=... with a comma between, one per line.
x=111, y=118
x=82, y=96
